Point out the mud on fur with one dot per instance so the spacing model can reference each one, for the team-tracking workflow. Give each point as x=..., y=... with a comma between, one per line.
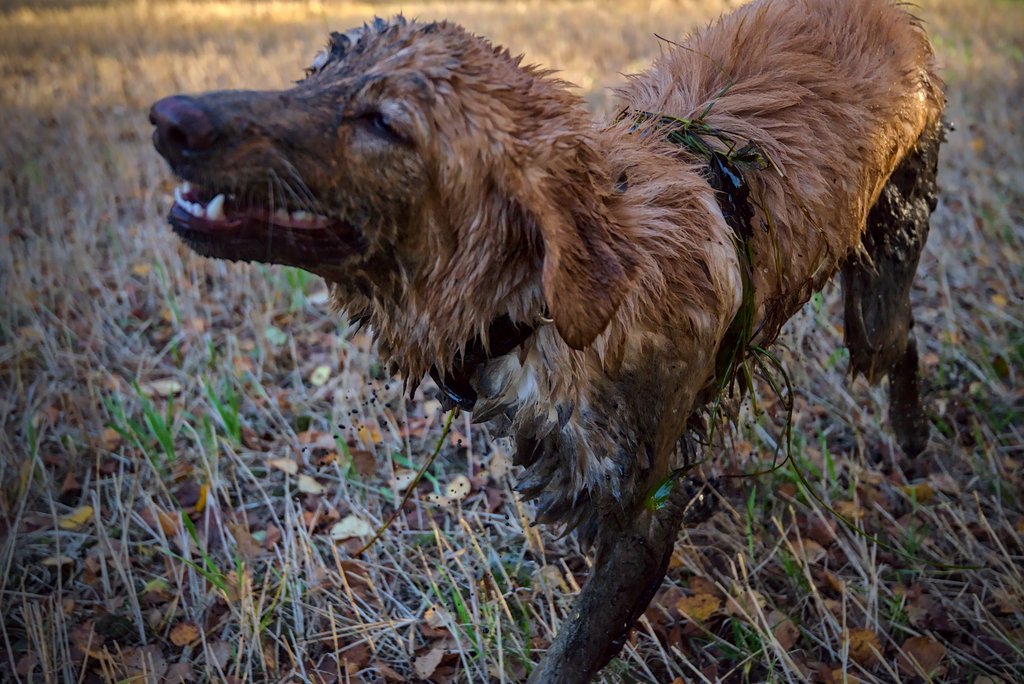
x=574, y=282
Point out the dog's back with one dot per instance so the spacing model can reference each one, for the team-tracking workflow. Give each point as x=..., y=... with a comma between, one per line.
x=835, y=92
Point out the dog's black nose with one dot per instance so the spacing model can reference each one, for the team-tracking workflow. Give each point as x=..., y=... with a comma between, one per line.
x=181, y=127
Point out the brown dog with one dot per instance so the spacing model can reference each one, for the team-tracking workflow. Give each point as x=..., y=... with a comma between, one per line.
x=588, y=288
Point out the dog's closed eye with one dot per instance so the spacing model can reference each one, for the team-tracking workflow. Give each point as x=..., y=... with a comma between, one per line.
x=381, y=126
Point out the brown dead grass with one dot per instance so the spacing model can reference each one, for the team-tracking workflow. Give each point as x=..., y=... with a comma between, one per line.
x=138, y=382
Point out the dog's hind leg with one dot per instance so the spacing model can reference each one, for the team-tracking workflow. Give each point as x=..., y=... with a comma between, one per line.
x=876, y=285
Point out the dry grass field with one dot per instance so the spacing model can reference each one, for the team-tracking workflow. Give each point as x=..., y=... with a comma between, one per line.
x=192, y=452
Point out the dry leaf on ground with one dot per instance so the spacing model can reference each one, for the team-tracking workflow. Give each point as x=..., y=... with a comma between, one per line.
x=921, y=654
x=864, y=646
x=184, y=633
x=351, y=526
x=425, y=664
x=784, y=629
x=161, y=388
x=76, y=519
x=699, y=607
x=309, y=485
x=286, y=465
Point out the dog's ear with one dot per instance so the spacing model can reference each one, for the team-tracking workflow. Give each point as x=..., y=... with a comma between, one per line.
x=588, y=265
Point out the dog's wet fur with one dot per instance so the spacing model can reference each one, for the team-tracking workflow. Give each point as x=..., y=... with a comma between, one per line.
x=446, y=185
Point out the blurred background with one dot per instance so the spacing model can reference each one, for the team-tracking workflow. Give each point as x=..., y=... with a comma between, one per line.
x=193, y=451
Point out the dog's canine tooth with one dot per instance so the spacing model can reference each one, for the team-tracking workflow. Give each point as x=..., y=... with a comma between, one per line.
x=301, y=215
x=186, y=188
x=215, y=209
x=177, y=196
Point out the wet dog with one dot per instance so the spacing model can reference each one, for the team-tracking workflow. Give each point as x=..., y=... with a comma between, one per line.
x=588, y=287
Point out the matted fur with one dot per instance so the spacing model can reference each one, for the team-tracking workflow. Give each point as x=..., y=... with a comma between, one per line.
x=497, y=195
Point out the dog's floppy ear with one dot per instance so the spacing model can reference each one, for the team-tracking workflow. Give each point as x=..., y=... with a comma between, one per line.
x=588, y=265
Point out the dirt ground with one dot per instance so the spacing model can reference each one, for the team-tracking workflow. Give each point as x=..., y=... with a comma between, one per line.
x=193, y=451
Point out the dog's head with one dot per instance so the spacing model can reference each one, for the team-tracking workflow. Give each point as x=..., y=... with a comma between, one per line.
x=414, y=165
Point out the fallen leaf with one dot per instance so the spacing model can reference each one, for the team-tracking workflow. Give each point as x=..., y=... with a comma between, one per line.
x=1007, y=602
x=811, y=551
x=247, y=545
x=188, y=494
x=76, y=518
x=25, y=665
x=316, y=439
x=699, y=607
x=921, y=653
x=70, y=484
x=840, y=677
x=308, y=485
x=275, y=336
x=402, y=479
x=328, y=459
x=437, y=616
x=184, y=633
x=364, y=462
x=204, y=491
x=274, y=535
x=220, y=653
x=56, y=561
x=178, y=673
x=161, y=388
x=320, y=376
x=351, y=526
x=677, y=560
x=286, y=465
x=355, y=657
x=743, y=607
x=945, y=483
x=784, y=629
x=170, y=523
x=110, y=439
x=85, y=638
x=865, y=646
x=146, y=663
x=850, y=510
x=424, y=665
x=702, y=585
x=369, y=434
x=458, y=488
x=921, y=492
x=387, y=672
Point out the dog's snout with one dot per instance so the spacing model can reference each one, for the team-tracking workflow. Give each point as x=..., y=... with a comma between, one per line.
x=182, y=126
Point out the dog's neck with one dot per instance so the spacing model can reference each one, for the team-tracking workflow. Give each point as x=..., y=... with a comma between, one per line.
x=458, y=385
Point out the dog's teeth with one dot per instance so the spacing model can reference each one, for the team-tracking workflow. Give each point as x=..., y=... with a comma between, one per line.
x=281, y=214
x=196, y=210
x=186, y=188
x=177, y=196
x=301, y=215
x=215, y=209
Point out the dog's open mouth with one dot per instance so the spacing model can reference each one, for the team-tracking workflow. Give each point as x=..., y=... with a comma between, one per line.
x=220, y=225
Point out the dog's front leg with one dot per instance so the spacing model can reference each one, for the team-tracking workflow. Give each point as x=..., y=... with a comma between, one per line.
x=631, y=560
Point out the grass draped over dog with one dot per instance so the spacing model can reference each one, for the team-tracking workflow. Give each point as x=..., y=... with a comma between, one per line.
x=192, y=452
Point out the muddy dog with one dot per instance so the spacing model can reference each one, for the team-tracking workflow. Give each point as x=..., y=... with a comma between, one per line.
x=588, y=289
